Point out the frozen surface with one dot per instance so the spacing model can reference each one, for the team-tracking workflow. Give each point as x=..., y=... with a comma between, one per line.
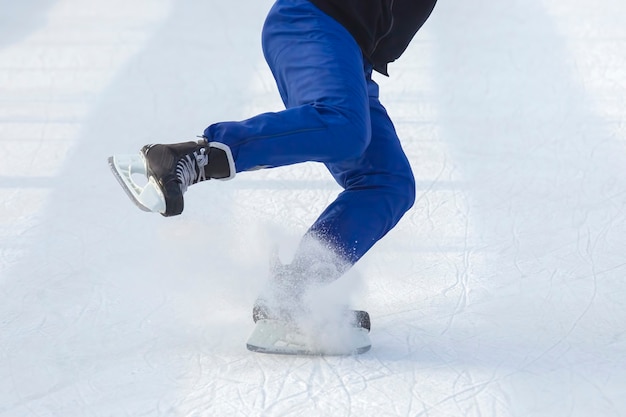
x=502, y=293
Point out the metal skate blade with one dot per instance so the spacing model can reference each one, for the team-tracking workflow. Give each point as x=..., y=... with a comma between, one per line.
x=282, y=338
x=148, y=196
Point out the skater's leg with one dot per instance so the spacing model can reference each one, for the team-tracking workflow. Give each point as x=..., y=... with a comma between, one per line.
x=379, y=189
x=319, y=71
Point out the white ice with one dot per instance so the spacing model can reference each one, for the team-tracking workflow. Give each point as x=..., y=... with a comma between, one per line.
x=501, y=293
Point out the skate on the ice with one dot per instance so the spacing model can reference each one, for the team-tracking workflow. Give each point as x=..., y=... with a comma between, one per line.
x=288, y=338
x=291, y=320
x=339, y=334
x=156, y=178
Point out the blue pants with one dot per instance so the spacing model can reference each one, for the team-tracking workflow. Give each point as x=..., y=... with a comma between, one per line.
x=333, y=116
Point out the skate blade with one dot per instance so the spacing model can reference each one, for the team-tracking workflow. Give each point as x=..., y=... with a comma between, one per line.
x=148, y=197
x=280, y=338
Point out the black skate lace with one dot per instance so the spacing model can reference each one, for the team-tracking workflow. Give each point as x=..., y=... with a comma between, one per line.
x=190, y=169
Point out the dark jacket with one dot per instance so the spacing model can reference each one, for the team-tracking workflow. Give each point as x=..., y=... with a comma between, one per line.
x=382, y=28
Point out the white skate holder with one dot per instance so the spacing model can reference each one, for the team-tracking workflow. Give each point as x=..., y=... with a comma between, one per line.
x=146, y=194
x=282, y=338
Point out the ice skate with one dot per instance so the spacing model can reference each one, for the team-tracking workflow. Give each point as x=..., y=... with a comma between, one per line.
x=289, y=321
x=157, y=177
x=334, y=333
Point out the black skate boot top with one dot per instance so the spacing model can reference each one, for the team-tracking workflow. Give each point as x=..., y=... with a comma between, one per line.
x=175, y=167
x=261, y=311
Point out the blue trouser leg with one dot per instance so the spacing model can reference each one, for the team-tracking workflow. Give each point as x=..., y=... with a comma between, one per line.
x=332, y=116
x=319, y=71
x=379, y=188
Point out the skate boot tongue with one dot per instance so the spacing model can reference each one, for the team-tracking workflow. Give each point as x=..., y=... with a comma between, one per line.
x=288, y=293
x=283, y=299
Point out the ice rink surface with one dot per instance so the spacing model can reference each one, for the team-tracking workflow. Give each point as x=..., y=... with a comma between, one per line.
x=501, y=293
